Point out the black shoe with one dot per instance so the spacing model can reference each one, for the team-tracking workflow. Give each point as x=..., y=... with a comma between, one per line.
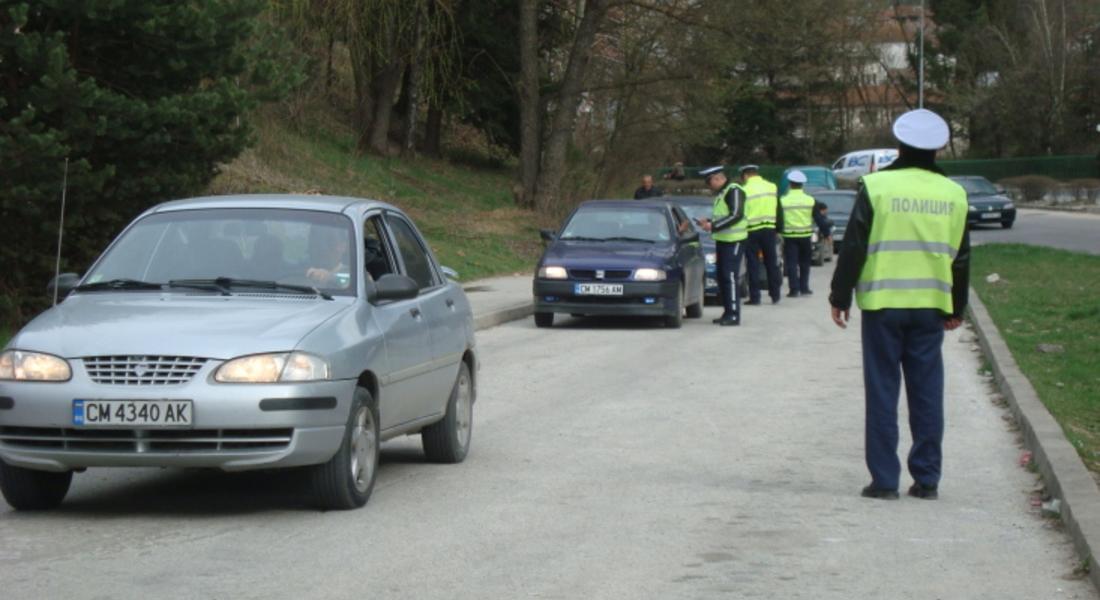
x=775, y=300
x=807, y=292
x=729, y=321
x=924, y=492
x=792, y=294
x=879, y=493
x=724, y=316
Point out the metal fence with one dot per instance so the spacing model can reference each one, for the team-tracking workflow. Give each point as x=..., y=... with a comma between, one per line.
x=994, y=169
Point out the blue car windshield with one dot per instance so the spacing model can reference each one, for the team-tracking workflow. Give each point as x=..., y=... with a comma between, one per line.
x=294, y=247
x=627, y=224
x=977, y=186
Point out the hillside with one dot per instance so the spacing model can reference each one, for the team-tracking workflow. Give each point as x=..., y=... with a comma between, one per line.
x=466, y=212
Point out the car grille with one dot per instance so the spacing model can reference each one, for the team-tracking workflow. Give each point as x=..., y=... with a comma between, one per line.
x=137, y=441
x=142, y=370
x=590, y=274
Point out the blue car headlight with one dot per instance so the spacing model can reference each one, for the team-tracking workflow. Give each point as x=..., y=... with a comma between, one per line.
x=648, y=274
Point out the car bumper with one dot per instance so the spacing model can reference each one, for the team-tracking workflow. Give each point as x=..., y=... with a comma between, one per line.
x=234, y=427
x=638, y=299
x=993, y=217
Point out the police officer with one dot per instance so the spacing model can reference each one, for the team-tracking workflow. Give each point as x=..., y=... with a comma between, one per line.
x=761, y=216
x=729, y=231
x=906, y=254
x=798, y=227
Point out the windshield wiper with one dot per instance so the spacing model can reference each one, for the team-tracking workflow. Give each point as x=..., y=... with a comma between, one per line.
x=119, y=284
x=209, y=285
x=228, y=282
x=580, y=238
x=629, y=239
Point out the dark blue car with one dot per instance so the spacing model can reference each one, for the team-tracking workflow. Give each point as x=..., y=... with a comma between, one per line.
x=701, y=207
x=621, y=257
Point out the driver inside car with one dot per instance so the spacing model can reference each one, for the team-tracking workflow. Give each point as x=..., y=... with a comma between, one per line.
x=328, y=254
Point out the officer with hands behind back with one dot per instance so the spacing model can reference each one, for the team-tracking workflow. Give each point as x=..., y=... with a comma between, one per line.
x=728, y=228
x=906, y=254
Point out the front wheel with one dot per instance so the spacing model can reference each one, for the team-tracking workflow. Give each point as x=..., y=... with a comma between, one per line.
x=448, y=440
x=27, y=489
x=695, y=311
x=676, y=319
x=347, y=479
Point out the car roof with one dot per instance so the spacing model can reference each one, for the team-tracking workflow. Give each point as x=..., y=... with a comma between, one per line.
x=689, y=200
x=807, y=168
x=834, y=193
x=333, y=204
x=656, y=203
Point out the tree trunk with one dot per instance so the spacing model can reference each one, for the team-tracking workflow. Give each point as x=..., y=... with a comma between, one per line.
x=433, y=132
x=412, y=95
x=548, y=184
x=376, y=138
x=529, y=103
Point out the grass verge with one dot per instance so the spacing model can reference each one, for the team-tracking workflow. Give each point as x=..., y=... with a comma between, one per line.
x=5, y=335
x=466, y=213
x=1046, y=305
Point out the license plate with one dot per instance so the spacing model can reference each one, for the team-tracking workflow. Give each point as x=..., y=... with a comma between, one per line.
x=598, y=289
x=132, y=413
x=991, y=216
x=712, y=282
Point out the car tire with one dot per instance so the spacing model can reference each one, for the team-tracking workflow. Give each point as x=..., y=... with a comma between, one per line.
x=448, y=440
x=544, y=319
x=27, y=489
x=347, y=479
x=695, y=311
x=676, y=319
x=1007, y=224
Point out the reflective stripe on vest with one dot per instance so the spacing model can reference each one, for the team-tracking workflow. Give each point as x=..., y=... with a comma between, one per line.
x=917, y=225
x=798, y=214
x=734, y=233
x=761, y=203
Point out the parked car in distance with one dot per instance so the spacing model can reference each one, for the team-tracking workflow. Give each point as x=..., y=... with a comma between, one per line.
x=838, y=205
x=621, y=257
x=853, y=165
x=238, y=333
x=701, y=207
x=817, y=178
x=988, y=205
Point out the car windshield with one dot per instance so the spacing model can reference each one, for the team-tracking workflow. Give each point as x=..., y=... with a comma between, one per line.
x=627, y=224
x=978, y=186
x=837, y=203
x=232, y=250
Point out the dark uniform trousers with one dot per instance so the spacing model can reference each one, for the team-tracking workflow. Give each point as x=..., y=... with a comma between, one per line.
x=897, y=340
x=763, y=240
x=799, y=252
x=729, y=267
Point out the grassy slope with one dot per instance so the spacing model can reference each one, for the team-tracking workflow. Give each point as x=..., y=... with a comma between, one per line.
x=1048, y=296
x=467, y=214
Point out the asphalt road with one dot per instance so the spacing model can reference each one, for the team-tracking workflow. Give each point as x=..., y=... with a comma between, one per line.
x=1079, y=232
x=611, y=460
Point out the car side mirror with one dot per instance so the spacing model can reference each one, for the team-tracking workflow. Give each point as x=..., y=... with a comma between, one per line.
x=394, y=287
x=689, y=237
x=547, y=235
x=63, y=283
x=449, y=272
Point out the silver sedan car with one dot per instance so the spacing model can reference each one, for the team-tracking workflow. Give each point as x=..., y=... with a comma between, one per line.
x=242, y=332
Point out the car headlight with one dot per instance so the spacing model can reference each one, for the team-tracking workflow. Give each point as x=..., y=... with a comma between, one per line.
x=1008, y=205
x=278, y=367
x=712, y=258
x=649, y=275
x=17, y=365
x=972, y=208
x=552, y=273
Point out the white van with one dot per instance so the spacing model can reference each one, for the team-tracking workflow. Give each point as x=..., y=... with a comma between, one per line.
x=854, y=165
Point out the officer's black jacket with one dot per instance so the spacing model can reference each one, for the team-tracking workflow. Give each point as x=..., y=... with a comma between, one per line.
x=654, y=192
x=853, y=253
x=735, y=202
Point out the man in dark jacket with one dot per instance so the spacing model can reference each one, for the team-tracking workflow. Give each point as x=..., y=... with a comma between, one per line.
x=648, y=190
x=906, y=254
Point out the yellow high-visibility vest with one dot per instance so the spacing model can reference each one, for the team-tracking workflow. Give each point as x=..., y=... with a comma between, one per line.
x=918, y=225
x=761, y=202
x=798, y=214
x=736, y=232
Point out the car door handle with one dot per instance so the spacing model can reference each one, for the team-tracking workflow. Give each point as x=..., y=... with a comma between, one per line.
x=415, y=312
x=450, y=303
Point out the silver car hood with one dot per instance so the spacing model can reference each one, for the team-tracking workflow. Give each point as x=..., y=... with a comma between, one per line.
x=137, y=323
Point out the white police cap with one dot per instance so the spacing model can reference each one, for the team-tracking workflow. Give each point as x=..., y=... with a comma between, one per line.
x=796, y=176
x=748, y=168
x=922, y=129
x=707, y=172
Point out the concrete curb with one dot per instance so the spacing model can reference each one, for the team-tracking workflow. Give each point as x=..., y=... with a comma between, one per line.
x=1064, y=475
x=503, y=315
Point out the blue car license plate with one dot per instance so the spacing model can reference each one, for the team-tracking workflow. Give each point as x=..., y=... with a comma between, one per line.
x=598, y=289
x=132, y=413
